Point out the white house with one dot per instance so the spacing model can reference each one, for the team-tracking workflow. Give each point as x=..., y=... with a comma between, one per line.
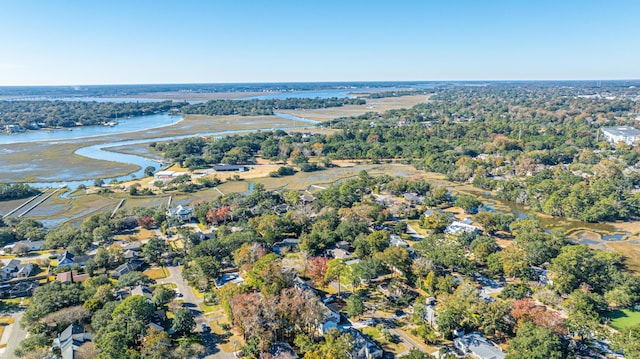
x=478, y=346
x=15, y=269
x=70, y=340
x=330, y=318
x=396, y=241
x=628, y=135
x=457, y=228
x=183, y=213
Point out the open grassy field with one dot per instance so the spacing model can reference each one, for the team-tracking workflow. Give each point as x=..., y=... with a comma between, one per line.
x=372, y=105
x=630, y=251
x=302, y=180
x=624, y=318
x=156, y=273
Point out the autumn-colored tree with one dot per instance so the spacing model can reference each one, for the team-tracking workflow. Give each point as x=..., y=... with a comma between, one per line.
x=526, y=310
x=248, y=254
x=316, y=269
x=218, y=215
x=267, y=275
x=147, y=222
x=211, y=216
x=300, y=309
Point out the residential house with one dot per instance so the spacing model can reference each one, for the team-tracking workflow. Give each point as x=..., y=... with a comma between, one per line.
x=28, y=244
x=229, y=278
x=542, y=276
x=282, y=208
x=304, y=285
x=135, y=246
x=286, y=245
x=307, y=198
x=23, y=289
x=67, y=259
x=396, y=241
x=330, y=318
x=70, y=340
x=338, y=253
x=477, y=346
x=4, y=290
x=457, y=228
x=142, y=290
x=15, y=269
x=71, y=277
x=280, y=350
x=413, y=197
x=125, y=268
x=430, y=312
x=344, y=245
x=626, y=134
x=13, y=128
x=363, y=346
x=131, y=254
x=155, y=326
x=182, y=213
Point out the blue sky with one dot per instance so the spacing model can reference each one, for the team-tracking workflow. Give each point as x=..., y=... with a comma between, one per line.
x=114, y=42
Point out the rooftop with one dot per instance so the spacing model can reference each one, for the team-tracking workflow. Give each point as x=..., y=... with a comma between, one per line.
x=621, y=131
x=480, y=346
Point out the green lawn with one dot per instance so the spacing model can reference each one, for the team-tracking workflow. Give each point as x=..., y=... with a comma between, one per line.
x=624, y=318
x=373, y=332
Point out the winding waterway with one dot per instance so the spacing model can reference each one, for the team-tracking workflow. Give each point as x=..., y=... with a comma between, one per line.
x=101, y=152
x=133, y=124
x=148, y=122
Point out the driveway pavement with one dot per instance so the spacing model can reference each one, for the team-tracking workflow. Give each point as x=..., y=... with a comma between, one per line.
x=12, y=336
x=192, y=302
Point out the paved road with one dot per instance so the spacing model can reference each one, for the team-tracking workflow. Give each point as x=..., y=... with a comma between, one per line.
x=191, y=301
x=405, y=339
x=15, y=337
x=27, y=258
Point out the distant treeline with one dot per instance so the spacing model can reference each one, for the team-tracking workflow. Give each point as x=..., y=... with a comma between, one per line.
x=9, y=191
x=29, y=114
x=132, y=90
x=384, y=94
x=265, y=107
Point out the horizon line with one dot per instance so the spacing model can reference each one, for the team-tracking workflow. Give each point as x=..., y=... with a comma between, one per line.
x=322, y=82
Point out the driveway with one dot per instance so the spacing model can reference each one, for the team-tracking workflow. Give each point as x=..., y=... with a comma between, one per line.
x=190, y=301
x=12, y=336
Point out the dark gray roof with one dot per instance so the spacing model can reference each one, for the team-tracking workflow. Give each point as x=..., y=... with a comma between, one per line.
x=14, y=263
x=223, y=167
x=65, y=255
